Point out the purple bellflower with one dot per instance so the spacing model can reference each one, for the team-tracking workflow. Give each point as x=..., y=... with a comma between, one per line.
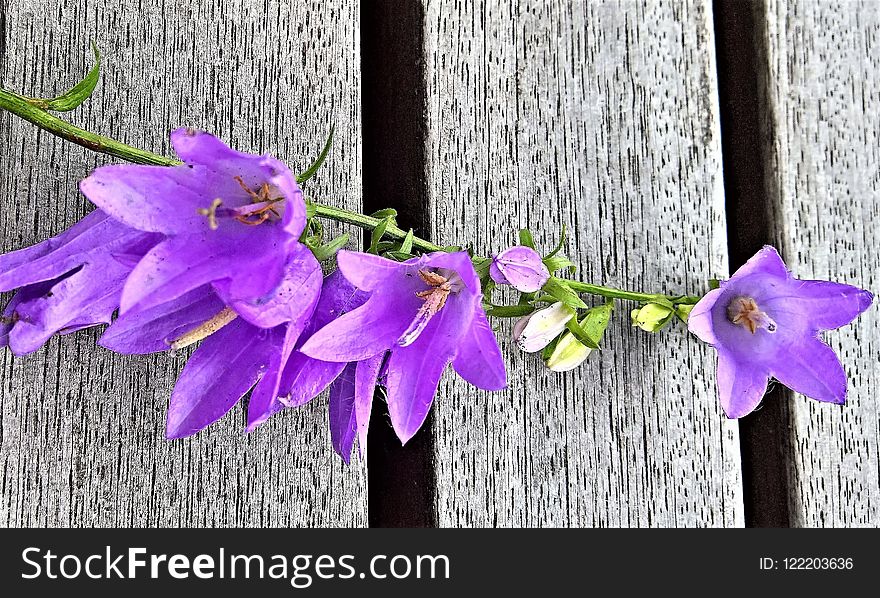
x=763, y=322
x=520, y=267
x=208, y=251
x=69, y=282
x=421, y=315
x=229, y=219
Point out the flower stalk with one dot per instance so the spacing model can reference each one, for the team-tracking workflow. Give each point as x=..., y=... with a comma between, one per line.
x=30, y=111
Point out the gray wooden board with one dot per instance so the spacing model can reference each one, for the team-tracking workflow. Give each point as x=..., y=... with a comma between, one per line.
x=822, y=105
x=83, y=429
x=602, y=116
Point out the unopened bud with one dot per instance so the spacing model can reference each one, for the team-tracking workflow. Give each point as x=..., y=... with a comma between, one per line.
x=651, y=317
x=538, y=330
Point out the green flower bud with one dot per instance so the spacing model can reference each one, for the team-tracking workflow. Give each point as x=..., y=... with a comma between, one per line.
x=652, y=317
x=568, y=354
x=683, y=311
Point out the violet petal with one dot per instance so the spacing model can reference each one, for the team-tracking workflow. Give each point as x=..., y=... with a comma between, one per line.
x=342, y=413
x=479, y=359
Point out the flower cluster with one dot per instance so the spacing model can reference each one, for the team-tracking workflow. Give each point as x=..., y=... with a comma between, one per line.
x=223, y=250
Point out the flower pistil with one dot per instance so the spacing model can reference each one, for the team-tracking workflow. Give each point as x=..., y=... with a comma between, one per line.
x=745, y=312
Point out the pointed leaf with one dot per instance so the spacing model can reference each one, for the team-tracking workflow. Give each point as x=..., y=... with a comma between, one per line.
x=311, y=170
x=525, y=238
x=562, y=292
x=327, y=250
x=558, y=248
x=377, y=234
x=77, y=94
x=406, y=246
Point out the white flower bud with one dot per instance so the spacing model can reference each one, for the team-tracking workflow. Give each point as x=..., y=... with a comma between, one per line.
x=568, y=354
x=540, y=328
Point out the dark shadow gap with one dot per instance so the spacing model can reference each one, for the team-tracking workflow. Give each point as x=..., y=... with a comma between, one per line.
x=741, y=56
x=393, y=101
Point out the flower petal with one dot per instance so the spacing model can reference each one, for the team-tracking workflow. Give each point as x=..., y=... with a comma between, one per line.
x=205, y=150
x=365, y=270
x=264, y=400
x=520, y=267
x=479, y=359
x=224, y=367
x=766, y=261
x=543, y=326
x=250, y=267
x=366, y=331
x=701, y=319
x=740, y=386
x=825, y=305
x=153, y=330
x=87, y=297
x=94, y=237
x=812, y=369
x=461, y=263
x=414, y=371
x=342, y=413
x=366, y=375
x=293, y=299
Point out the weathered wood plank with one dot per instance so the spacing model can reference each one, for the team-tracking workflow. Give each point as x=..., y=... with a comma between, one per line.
x=82, y=429
x=822, y=103
x=601, y=116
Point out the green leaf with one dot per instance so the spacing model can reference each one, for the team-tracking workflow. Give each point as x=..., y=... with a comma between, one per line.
x=551, y=346
x=580, y=334
x=406, y=246
x=378, y=232
x=481, y=265
x=386, y=213
x=328, y=250
x=714, y=284
x=558, y=248
x=596, y=321
x=311, y=210
x=398, y=256
x=525, y=238
x=311, y=170
x=451, y=248
x=508, y=311
x=562, y=292
x=77, y=94
x=558, y=262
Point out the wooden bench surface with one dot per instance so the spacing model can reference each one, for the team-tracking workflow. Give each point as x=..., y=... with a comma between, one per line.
x=601, y=116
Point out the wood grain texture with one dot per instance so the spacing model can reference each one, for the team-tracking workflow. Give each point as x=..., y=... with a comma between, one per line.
x=83, y=429
x=601, y=116
x=822, y=137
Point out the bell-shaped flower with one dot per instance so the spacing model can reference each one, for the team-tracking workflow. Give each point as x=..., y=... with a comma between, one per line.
x=69, y=282
x=763, y=322
x=422, y=315
x=229, y=219
x=520, y=267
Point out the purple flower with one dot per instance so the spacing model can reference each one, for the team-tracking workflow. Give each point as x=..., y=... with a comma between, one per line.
x=520, y=267
x=763, y=323
x=234, y=355
x=229, y=219
x=68, y=282
x=421, y=315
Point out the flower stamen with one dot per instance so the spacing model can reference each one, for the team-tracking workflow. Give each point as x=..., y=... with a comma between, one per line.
x=204, y=330
x=744, y=311
x=211, y=213
x=434, y=299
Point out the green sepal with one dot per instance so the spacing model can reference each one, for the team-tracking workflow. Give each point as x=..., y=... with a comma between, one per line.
x=378, y=232
x=311, y=209
x=508, y=311
x=311, y=170
x=77, y=94
x=580, y=334
x=406, y=245
x=562, y=292
x=481, y=265
x=596, y=321
x=683, y=310
x=547, y=351
x=525, y=238
x=398, y=256
x=714, y=283
x=328, y=250
x=559, y=262
x=558, y=247
x=386, y=213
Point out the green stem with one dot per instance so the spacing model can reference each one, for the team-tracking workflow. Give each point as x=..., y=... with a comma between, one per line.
x=26, y=109
x=370, y=223
x=612, y=293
